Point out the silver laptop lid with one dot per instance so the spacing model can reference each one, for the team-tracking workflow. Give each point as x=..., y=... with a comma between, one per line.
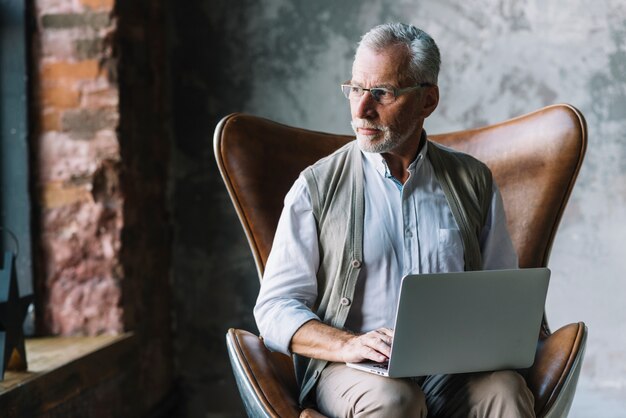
x=468, y=321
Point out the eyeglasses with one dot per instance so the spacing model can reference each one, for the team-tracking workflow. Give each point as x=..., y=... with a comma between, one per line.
x=381, y=94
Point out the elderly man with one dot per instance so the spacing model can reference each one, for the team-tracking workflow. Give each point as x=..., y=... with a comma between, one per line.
x=390, y=203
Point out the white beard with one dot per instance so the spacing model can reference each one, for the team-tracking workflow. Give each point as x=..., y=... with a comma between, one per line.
x=372, y=143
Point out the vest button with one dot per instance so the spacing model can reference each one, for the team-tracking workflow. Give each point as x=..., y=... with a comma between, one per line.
x=356, y=264
x=345, y=301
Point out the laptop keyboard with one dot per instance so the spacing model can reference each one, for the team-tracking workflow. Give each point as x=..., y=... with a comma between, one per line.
x=382, y=366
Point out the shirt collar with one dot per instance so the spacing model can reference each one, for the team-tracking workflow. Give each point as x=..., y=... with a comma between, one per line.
x=379, y=163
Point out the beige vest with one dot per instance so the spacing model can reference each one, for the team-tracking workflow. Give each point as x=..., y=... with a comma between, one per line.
x=336, y=187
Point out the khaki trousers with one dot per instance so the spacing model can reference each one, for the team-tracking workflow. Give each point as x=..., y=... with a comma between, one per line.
x=346, y=392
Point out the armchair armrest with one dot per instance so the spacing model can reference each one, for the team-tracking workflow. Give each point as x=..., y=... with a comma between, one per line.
x=266, y=380
x=553, y=377
x=267, y=384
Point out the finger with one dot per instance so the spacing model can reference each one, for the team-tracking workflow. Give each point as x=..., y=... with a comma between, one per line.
x=378, y=343
x=385, y=335
x=372, y=354
x=388, y=332
x=373, y=347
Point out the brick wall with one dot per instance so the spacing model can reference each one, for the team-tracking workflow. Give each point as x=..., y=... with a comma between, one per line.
x=77, y=160
x=100, y=162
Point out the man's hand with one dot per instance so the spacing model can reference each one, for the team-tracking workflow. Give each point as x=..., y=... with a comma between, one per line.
x=317, y=340
x=372, y=346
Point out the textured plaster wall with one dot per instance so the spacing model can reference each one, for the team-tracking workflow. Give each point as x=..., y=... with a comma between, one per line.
x=285, y=59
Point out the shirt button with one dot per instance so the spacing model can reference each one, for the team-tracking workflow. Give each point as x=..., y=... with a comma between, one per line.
x=345, y=301
x=409, y=233
x=356, y=264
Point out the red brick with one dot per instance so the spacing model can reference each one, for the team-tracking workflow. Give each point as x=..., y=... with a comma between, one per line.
x=59, y=97
x=49, y=121
x=98, y=4
x=66, y=70
x=62, y=158
x=56, y=194
x=104, y=97
x=59, y=46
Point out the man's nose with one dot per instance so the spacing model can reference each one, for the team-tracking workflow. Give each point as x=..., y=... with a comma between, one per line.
x=366, y=106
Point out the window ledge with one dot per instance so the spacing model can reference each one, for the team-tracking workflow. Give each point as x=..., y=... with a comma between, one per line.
x=60, y=368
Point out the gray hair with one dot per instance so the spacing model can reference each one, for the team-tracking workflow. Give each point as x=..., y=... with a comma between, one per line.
x=424, y=58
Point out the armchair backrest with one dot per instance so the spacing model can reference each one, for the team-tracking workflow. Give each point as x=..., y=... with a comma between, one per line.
x=534, y=158
x=259, y=161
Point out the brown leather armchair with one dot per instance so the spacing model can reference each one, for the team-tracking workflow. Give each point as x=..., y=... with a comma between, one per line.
x=535, y=160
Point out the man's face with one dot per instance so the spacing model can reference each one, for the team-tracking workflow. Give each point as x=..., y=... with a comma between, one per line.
x=383, y=128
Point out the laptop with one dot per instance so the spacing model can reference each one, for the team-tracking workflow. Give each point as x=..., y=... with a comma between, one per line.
x=465, y=322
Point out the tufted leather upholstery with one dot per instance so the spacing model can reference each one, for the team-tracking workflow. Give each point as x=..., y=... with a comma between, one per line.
x=535, y=160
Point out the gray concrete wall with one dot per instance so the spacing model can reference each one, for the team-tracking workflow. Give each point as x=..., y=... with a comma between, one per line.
x=501, y=58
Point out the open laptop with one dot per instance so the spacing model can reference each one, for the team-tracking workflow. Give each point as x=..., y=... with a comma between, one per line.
x=465, y=322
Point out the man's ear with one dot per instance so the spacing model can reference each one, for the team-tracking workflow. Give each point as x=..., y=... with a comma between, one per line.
x=430, y=100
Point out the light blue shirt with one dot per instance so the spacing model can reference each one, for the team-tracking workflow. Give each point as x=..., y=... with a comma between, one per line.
x=408, y=229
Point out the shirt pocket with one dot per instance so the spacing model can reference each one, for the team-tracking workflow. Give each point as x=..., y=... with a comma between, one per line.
x=450, y=251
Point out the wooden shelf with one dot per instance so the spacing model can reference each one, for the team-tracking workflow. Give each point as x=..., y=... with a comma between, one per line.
x=61, y=368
